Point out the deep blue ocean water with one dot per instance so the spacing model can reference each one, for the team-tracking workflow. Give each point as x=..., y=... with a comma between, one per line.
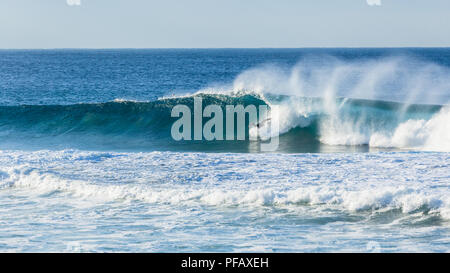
x=88, y=76
x=88, y=163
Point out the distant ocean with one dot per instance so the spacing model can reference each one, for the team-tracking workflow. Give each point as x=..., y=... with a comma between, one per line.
x=88, y=163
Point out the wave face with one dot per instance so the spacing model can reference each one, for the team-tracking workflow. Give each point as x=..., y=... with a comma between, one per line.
x=328, y=100
x=112, y=125
x=306, y=124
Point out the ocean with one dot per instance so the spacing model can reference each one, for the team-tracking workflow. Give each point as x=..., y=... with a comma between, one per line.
x=88, y=161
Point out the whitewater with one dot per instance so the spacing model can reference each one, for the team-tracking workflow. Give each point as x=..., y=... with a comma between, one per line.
x=168, y=201
x=88, y=164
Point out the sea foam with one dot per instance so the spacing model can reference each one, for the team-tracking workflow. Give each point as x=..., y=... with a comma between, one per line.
x=409, y=182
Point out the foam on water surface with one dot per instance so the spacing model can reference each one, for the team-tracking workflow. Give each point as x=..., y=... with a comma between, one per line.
x=198, y=195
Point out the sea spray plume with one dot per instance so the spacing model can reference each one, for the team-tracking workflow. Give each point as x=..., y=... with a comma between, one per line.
x=372, y=78
x=262, y=79
x=400, y=79
x=388, y=78
x=340, y=127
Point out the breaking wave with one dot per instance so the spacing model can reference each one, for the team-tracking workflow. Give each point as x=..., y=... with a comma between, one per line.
x=325, y=103
x=302, y=122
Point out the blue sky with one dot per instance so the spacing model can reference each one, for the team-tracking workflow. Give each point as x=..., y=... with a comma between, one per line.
x=223, y=23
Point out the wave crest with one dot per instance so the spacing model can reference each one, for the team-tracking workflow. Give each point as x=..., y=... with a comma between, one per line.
x=409, y=200
x=302, y=122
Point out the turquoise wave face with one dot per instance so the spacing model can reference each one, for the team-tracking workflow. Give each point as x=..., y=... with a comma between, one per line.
x=147, y=125
x=118, y=125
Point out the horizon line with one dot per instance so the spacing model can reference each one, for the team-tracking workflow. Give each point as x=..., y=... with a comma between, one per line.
x=134, y=48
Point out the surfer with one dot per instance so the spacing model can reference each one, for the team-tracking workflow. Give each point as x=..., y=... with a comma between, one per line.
x=258, y=125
